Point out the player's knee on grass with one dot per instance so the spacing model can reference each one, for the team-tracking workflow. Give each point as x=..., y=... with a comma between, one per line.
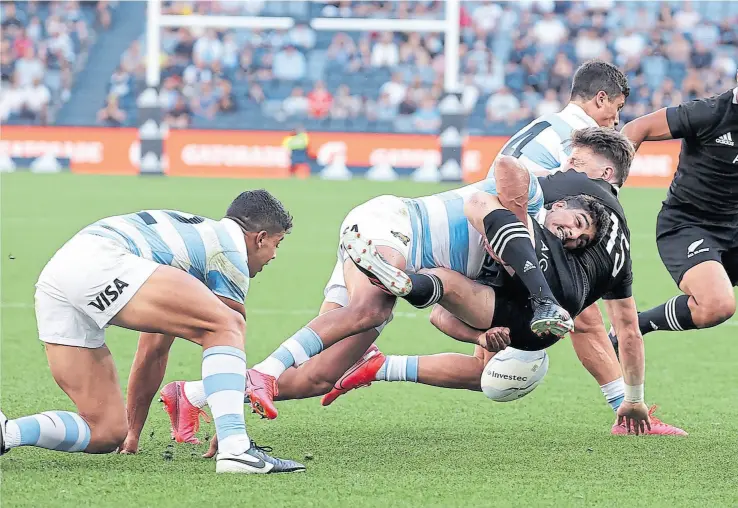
x=108, y=429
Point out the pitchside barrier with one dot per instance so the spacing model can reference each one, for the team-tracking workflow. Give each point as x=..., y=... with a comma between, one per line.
x=259, y=154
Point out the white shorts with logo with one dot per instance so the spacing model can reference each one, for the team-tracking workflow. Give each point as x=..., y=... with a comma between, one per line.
x=87, y=282
x=386, y=221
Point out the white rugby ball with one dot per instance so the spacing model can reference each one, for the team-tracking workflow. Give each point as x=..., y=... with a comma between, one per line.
x=512, y=374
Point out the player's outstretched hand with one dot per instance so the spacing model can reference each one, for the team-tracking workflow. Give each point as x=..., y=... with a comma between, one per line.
x=635, y=417
x=494, y=340
x=213, y=448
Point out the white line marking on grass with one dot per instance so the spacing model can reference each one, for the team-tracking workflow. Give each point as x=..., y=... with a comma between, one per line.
x=257, y=310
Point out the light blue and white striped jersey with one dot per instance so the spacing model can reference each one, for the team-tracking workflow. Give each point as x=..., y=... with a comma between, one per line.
x=442, y=235
x=543, y=144
x=212, y=251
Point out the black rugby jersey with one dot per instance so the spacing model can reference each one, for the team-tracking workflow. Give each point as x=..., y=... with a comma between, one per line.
x=607, y=265
x=706, y=180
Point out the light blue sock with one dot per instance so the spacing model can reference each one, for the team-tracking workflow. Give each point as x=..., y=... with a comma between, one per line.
x=224, y=380
x=295, y=351
x=54, y=430
x=399, y=368
x=614, y=392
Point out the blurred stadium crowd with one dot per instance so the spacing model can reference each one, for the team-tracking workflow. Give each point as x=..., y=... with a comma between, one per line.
x=44, y=45
x=516, y=62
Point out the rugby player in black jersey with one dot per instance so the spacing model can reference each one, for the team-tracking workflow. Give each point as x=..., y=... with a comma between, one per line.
x=697, y=228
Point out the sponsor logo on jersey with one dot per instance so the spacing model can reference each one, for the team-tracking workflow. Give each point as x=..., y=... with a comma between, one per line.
x=694, y=249
x=403, y=238
x=508, y=377
x=725, y=139
x=108, y=295
x=528, y=267
x=735, y=161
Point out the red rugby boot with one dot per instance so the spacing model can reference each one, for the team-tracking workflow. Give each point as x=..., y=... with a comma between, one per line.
x=261, y=389
x=183, y=416
x=362, y=373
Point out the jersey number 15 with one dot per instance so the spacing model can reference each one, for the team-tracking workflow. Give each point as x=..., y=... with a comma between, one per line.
x=617, y=242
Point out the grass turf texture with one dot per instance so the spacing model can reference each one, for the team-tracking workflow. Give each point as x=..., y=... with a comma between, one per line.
x=396, y=444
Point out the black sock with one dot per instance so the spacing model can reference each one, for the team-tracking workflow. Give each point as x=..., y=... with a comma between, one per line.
x=511, y=242
x=427, y=290
x=674, y=315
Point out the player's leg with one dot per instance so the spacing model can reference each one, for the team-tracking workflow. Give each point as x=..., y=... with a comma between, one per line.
x=318, y=375
x=473, y=303
x=88, y=376
x=694, y=256
x=367, y=307
x=199, y=316
x=511, y=241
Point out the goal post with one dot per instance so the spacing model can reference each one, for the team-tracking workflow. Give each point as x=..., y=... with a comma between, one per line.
x=152, y=133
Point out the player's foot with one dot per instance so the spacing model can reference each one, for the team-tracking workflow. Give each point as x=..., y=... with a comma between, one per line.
x=614, y=341
x=3, y=425
x=362, y=373
x=261, y=390
x=382, y=274
x=183, y=416
x=255, y=460
x=658, y=428
x=550, y=318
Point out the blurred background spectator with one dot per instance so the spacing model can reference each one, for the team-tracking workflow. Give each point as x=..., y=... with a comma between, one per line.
x=516, y=62
x=45, y=45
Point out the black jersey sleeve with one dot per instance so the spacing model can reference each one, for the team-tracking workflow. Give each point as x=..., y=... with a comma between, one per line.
x=693, y=119
x=623, y=287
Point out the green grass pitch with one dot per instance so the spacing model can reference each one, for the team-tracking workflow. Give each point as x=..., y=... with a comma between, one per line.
x=393, y=444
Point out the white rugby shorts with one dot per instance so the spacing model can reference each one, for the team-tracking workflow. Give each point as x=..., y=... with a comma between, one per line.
x=84, y=285
x=386, y=221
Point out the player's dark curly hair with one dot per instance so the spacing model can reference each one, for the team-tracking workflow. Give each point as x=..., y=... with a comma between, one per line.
x=611, y=145
x=258, y=210
x=597, y=75
x=599, y=214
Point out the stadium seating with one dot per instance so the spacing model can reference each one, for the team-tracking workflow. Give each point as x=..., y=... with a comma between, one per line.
x=44, y=46
x=517, y=59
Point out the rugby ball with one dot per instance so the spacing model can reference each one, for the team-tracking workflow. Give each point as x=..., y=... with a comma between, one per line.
x=512, y=374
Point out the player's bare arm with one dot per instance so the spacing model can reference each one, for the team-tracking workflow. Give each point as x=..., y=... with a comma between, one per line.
x=624, y=317
x=147, y=374
x=651, y=127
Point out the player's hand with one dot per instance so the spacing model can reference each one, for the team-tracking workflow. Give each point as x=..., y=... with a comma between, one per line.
x=635, y=417
x=129, y=446
x=213, y=448
x=494, y=339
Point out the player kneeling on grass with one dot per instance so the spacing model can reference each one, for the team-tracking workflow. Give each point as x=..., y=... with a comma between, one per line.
x=159, y=272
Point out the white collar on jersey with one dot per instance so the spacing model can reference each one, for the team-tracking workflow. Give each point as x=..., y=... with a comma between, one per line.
x=735, y=95
x=578, y=112
x=236, y=234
